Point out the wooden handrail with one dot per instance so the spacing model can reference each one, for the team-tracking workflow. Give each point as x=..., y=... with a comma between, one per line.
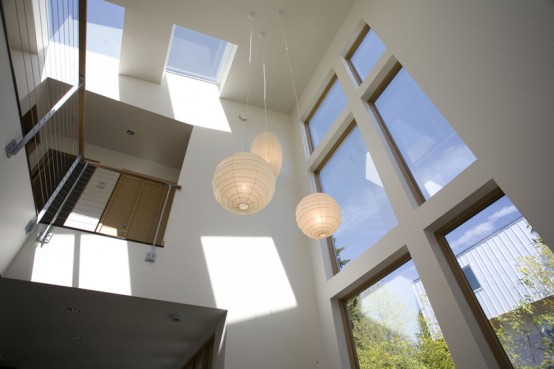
x=130, y=172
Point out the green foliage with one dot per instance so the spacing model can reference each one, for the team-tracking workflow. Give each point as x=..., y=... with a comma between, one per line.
x=533, y=316
x=378, y=346
x=340, y=261
x=432, y=353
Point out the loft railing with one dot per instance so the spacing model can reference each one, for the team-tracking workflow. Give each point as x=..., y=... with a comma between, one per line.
x=46, y=46
x=47, y=50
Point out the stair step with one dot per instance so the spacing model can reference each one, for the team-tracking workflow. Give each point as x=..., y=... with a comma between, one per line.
x=72, y=198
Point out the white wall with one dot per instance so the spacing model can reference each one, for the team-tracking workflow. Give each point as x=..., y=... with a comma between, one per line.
x=114, y=159
x=487, y=68
x=256, y=267
x=184, y=99
x=485, y=65
x=15, y=187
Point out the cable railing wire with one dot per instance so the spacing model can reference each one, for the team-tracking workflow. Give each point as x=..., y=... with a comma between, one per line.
x=43, y=39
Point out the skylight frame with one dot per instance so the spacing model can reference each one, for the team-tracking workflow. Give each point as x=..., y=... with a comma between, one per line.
x=223, y=65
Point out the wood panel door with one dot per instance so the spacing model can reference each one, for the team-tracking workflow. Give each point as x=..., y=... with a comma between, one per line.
x=135, y=209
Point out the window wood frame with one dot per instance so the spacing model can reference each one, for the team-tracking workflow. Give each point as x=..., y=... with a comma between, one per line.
x=314, y=110
x=469, y=295
x=345, y=317
x=319, y=185
x=352, y=51
x=407, y=173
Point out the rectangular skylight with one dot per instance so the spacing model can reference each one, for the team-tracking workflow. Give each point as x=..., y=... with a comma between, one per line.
x=197, y=55
x=104, y=27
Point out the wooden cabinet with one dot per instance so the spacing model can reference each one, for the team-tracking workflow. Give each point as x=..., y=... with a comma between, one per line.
x=135, y=210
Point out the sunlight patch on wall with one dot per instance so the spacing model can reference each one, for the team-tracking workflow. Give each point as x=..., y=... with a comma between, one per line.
x=103, y=75
x=53, y=261
x=247, y=277
x=196, y=102
x=104, y=265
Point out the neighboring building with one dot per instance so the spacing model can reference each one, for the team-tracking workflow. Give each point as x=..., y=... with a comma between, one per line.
x=492, y=268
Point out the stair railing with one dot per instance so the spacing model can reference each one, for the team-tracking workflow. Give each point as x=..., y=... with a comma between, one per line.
x=47, y=47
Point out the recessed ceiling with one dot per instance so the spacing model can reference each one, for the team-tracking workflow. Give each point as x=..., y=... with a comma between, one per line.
x=157, y=138
x=39, y=330
x=310, y=26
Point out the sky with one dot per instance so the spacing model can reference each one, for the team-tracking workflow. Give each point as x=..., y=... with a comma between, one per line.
x=105, y=28
x=493, y=218
x=104, y=25
x=366, y=213
x=368, y=54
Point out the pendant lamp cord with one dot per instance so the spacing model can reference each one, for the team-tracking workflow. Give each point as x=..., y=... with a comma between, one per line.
x=245, y=119
x=262, y=36
x=280, y=16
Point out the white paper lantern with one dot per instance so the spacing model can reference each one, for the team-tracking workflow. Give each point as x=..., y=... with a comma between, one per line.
x=243, y=183
x=268, y=147
x=318, y=215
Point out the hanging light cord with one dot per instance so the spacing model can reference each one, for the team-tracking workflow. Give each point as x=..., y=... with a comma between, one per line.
x=280, y=16
x=245, y=119
x=262, y=36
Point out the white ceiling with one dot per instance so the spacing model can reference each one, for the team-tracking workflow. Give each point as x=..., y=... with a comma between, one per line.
x=310, y=26
x=117, y=331
x=157, y=138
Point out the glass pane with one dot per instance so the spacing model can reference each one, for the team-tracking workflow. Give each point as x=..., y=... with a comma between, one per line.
x=393, y=325
x=326, y=114
x=63, y=16
x=516, y=273
x=104, y=27
x=471, y=278
x=367, y=54
x=434, y=153
x=351, y=178
x=196, y=54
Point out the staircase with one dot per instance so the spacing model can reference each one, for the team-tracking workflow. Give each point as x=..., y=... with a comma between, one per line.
x=71, y=197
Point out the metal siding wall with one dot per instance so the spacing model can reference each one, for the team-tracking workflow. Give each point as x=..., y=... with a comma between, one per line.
x=494, y=261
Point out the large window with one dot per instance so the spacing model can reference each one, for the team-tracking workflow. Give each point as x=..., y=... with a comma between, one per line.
x=325, y=113
x=350, y=177
x=429, y=150
x=365, y=53
x=393, y=325
x=515, y=270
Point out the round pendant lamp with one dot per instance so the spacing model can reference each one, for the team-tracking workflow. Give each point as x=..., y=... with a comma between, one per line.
x=318, y=215
x=243, y=183
x=267, y=146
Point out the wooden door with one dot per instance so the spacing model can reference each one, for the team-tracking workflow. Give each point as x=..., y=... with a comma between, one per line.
x=135, y=209
x=148, y=208
x=116, y=218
